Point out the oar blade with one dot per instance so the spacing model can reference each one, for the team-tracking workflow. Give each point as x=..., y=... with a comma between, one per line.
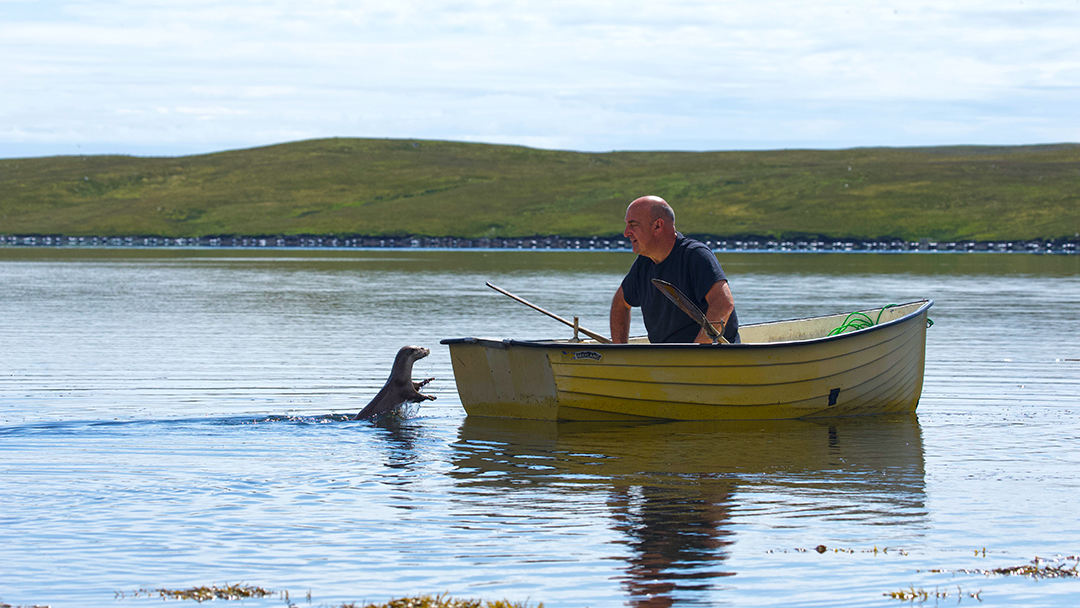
x=686, y=305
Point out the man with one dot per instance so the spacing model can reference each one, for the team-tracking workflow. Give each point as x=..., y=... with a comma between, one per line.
x=687, y=264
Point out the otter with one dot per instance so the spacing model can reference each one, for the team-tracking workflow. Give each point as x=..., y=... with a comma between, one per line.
x=399, y=387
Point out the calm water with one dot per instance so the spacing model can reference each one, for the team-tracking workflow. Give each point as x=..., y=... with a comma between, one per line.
x=171, y=419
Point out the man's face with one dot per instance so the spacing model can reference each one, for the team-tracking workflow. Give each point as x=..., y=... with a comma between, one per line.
x=641, y=229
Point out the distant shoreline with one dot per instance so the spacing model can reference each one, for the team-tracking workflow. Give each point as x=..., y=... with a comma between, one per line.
x=353, y=188
x=748, y=245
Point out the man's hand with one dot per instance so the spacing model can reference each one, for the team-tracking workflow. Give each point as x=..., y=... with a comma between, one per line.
x=721, y=303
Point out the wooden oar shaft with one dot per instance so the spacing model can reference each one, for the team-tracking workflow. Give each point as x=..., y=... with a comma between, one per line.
x=591, y=334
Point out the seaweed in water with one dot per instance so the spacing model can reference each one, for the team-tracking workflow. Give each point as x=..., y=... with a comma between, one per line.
x=204, y=593
x=240, y=592
x=441, y=601
x=824, y=549
x=1066, y=567
x=1038, y=568
x=921, y=595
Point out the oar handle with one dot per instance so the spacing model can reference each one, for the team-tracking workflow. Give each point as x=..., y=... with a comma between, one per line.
x=595, y=336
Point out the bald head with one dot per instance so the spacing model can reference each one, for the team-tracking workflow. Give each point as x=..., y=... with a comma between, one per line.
x=650, y=226
x=656, y=208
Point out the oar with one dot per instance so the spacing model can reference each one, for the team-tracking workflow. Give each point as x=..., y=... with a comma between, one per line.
x=591, y=334
x=686, y=305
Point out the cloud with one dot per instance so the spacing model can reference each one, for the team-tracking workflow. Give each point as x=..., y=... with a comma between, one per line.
x=591, y=76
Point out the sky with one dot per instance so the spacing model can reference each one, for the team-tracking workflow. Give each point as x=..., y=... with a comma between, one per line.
x=177, y=77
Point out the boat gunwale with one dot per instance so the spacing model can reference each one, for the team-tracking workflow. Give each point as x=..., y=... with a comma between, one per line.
x=926, y=304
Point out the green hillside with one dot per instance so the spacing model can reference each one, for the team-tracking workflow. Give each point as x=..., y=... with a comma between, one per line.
x=435, y=188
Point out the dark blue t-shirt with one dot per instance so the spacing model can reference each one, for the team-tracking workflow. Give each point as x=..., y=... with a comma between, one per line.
x=691, y=267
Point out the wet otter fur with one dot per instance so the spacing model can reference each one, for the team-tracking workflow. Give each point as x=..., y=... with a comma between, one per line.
x=399, y=387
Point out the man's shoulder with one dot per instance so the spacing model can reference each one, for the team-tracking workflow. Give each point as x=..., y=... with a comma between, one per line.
x=691, y=246
x=681, y=240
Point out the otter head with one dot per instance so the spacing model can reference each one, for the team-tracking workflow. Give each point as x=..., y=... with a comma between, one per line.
x=415, y=352
x=406, y=356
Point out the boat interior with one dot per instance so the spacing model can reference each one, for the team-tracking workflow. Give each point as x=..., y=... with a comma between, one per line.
x=815, y=327
x=821, y=327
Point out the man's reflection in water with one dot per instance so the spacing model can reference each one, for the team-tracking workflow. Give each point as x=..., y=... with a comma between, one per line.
x=676, y=535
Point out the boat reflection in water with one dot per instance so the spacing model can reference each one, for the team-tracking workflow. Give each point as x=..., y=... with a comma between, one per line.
x=670, y=490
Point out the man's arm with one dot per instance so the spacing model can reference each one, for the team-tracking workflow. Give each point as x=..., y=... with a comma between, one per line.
x=721, y=303
x=620, y=318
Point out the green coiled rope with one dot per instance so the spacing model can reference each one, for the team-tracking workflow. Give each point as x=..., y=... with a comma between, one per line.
x=860, y=320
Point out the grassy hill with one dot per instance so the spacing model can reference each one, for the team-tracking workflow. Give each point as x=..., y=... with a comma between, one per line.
x=436, y=188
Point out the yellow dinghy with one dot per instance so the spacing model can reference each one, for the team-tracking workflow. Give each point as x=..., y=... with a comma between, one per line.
x=781, y=370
